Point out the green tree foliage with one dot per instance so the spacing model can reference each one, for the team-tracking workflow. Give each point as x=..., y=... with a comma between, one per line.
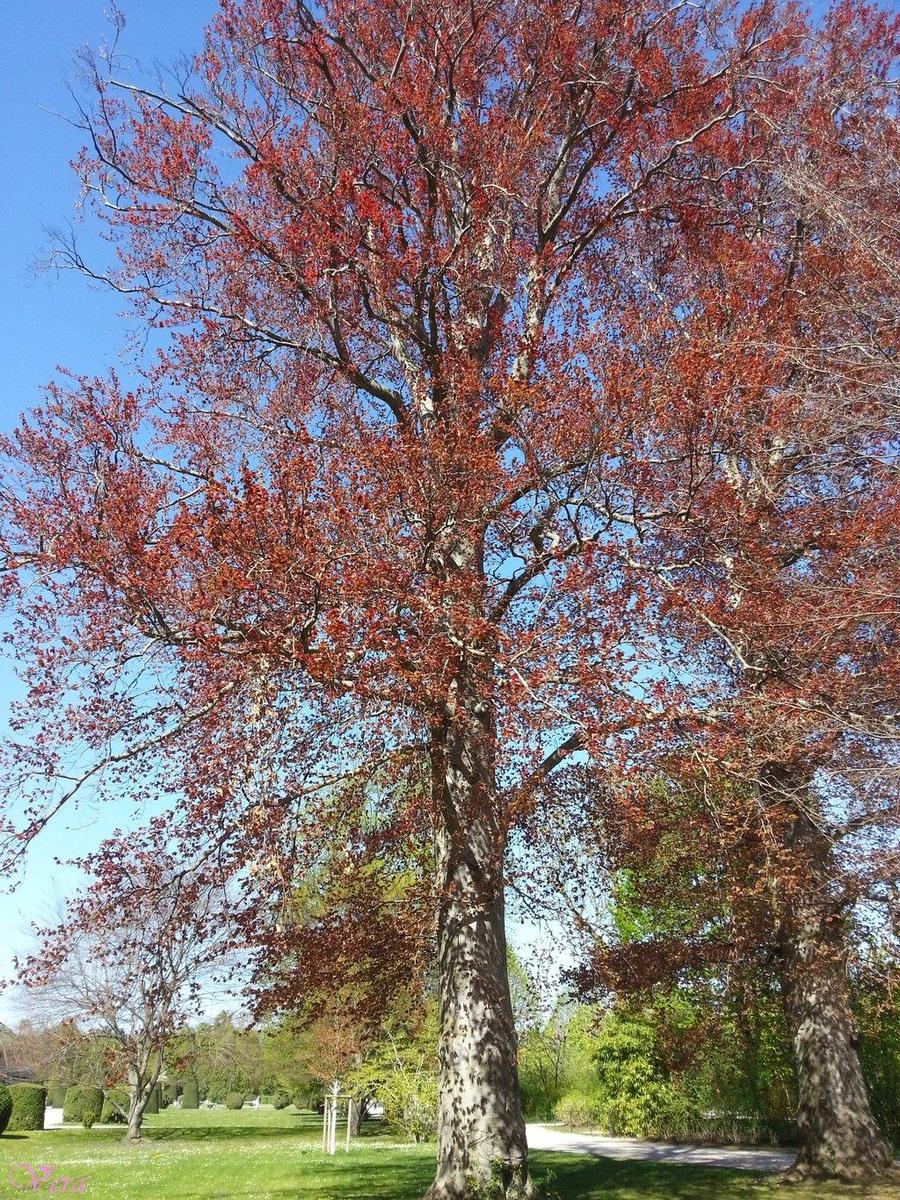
x=227, y=1058
x=879, y=1051
x=557, y=1057
x=288, y=1050
x=5, y=1106
x=639, y=1095
x=400, y=1069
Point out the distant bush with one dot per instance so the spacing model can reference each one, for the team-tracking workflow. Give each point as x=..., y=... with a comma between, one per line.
x=152, y=1106
x=538, y=1103
x=57, y=1094
x=578, y=1109
x=234, y=1100
x=5, y=1106
x=190, y=1094
x=80, y=1099
x=115, y=1107
x=281, y=1100
x=88, y=1119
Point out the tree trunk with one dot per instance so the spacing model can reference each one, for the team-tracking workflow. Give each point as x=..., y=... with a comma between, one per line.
x=481, y=1131
x=839, y=1137
x=360, y=1107
x=137, y=1104
x=138, y=1094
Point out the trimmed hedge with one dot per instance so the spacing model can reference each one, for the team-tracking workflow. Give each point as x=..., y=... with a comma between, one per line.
x=152, y=1105
x=81, y=1099
x=56, y=1095
x=234, y=1100
x=5, y=1106
x=28, y=1103
x=168, y=1094
x=190, y=1094
x=115, y=1107
x=281, y=1100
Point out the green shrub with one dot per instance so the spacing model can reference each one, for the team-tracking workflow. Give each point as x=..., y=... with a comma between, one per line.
x=167, y=1094
x=234, y=1100
x=152, y=1105
x=190, y=1094
x=28, y=1103
x=280, y=1100
x=538, y=1102
x=879, y=1054
x=57, y=1094
x=577, y=1109
x=115, y=1107
x=80, y=1099
x=658, y=1110
x=87, y=1119
x=266, y=1098
x=410, y=1102
x=5, y=1106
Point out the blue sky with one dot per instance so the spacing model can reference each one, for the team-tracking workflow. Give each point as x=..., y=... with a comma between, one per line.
x=46, y=319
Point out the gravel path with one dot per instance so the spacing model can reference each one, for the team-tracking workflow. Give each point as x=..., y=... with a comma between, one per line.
x=549, y=1137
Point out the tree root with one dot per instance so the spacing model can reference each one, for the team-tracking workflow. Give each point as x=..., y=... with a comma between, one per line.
x=806, y=1171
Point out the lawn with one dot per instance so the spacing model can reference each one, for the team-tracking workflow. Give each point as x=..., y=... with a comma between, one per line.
x=217, y=1155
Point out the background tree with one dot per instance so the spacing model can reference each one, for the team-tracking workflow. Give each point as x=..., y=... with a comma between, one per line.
x=399, y=1069
x=787, y=618
x=128, y=976
x=775, y=589
x=227, y=1056
x=286, y=1062
x=371, y=510
x=697, y=916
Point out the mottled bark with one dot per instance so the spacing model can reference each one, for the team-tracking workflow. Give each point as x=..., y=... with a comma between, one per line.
x=839, y=1137
x=481, y=1130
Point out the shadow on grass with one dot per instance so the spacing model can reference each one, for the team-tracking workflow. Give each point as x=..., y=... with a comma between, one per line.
x=305, y=1130
x=403, y=1179
x=578, y=1178
x=408, y=1178
x=584, y=1179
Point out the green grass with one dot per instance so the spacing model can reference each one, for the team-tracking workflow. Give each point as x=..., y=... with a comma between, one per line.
x=218, y=1154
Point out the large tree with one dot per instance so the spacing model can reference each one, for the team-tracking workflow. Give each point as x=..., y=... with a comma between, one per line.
x=779, y=590
x=370, y=511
